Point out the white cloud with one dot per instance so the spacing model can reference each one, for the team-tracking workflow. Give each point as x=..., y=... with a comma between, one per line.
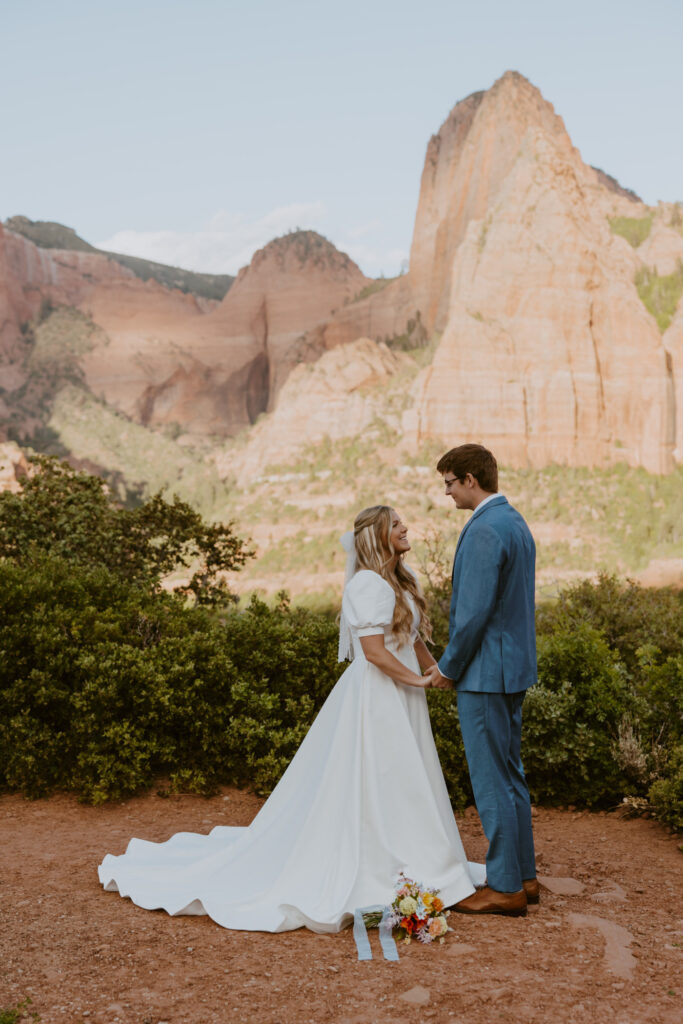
x=228, y=241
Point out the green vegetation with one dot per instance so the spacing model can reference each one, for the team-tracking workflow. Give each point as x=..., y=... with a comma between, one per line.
x=616, y=519
x=55, y=339
x=56, y=414
x=67, y=515
x=109, y=684
x=48, y=234
x=134, y=460
x=660, y=294
x=634, y=229
x=20, y=1012
x=204, y=286
x=483, y=232
x=378, y=285
x=414, y=336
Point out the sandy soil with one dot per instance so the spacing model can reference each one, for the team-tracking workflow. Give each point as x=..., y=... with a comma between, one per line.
x=604, y=945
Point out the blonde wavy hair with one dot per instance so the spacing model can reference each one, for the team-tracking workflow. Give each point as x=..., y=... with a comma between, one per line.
x=374, y=550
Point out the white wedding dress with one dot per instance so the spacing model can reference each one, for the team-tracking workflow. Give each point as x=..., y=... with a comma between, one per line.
x=363, y=799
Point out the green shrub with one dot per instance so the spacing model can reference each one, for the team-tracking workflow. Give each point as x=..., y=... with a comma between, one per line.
x=12, y=1015
x=666, y=794
x=634, y=229
x=105, y=687
x=62, y=512
x=628, y=615
x=572, y=719
x=660, y=294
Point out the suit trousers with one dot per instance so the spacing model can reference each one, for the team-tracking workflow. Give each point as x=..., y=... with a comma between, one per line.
x=491, y=726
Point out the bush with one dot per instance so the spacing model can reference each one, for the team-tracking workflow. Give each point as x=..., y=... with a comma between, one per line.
x=105, y=687
x=666, y=794
x=108, y=684
x=572, y=719
x=642, y=630
x=605, y=717
x=71, y=515
x=628, y=615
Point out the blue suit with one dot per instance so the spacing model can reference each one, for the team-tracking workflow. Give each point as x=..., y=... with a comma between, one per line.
x=491, y=658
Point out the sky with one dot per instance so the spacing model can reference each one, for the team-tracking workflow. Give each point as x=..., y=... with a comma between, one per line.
x=192, y=133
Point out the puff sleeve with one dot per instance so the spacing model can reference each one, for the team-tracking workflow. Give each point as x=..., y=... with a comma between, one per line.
x=368, y=603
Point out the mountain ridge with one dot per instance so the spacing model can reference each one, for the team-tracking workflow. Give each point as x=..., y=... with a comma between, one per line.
x=523, y=285
x=53, y=235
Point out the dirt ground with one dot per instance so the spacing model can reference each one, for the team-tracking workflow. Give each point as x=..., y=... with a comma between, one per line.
x=604, y=945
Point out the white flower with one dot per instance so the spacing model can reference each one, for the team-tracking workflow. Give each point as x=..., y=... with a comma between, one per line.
x=407, y=906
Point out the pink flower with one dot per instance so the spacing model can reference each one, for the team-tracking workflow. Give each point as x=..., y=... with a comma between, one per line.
x=436, y=927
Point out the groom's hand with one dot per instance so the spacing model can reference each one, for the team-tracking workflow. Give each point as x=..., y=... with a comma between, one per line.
x=436, y=680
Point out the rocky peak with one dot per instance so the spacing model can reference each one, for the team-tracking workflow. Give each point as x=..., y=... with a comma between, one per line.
x=290, y=286
x=467, y=162
x=298, y=249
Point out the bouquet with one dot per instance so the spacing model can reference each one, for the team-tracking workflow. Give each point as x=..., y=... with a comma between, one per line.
x=417, y=912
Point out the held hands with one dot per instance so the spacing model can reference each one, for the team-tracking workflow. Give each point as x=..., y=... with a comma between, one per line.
x=435, y=680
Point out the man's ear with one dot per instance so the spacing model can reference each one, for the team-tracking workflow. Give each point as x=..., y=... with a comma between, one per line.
x=469, y=480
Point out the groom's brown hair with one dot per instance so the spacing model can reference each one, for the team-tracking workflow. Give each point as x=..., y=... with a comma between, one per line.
x=474, y=459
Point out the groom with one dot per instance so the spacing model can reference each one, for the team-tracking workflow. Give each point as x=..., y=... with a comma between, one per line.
x=491, y=660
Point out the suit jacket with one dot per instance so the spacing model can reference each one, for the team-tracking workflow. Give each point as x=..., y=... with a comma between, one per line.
x=492, y=633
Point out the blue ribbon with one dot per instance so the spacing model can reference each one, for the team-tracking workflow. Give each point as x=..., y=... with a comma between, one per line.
x=360, y=933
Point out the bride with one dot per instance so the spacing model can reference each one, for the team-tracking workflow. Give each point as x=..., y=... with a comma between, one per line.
x=363, y=798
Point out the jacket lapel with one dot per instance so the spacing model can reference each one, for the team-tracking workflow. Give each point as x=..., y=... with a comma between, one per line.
x=478, y=511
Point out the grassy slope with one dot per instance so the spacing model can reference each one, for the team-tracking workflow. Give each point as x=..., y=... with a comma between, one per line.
x=583, y=519
x=69, y=421
x=137, y=461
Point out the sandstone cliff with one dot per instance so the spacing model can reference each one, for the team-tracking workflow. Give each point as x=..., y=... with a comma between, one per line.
x=337, y=396
x=549, y=293
x=527, y=263
x=162, y=356
x=548, y=352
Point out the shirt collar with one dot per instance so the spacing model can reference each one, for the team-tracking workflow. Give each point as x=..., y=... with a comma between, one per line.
x=487, y=500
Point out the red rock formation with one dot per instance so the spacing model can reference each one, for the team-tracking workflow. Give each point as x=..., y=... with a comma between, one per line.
x=548, y=353
x=163, y=356
x=337, y=396
x=291, y=286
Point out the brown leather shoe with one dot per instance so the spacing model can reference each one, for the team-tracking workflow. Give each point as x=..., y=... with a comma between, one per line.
x=488, y=901
x=532, y=890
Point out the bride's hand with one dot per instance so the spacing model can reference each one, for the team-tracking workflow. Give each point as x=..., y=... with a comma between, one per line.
x=435, y=680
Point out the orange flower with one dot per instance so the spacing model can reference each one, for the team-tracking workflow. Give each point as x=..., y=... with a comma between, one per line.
x=437, y=904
